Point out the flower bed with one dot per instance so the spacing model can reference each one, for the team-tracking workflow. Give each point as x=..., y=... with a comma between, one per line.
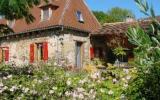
x=49, y=81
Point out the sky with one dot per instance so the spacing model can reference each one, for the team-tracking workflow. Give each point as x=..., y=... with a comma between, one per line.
x=105, y=5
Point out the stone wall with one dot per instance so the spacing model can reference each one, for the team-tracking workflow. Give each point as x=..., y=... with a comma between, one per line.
x=61, y=45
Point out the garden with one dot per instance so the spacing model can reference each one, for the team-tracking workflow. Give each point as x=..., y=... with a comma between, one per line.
x=50, y=81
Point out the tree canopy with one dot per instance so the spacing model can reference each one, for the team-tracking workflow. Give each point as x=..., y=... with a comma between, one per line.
x=113, y=15
x=18, y=9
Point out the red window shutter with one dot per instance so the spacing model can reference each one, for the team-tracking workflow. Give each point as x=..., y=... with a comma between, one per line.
x=92, y=52
x=7, y=54
x=31, y=53
x=45, y=51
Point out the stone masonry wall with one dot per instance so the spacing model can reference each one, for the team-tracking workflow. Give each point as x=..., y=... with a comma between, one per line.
x=60, y=47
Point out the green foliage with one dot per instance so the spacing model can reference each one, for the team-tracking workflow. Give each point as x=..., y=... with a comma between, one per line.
x=119, y=51
x=101, y=16
x=147, y=58
x=114, y=15
x=119, y=14
x=18, y=9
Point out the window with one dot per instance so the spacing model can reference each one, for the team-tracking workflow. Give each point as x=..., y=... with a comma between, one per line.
x=38, y=52
x=80, y=16
x=46, y=13
x=4, y=54
x=11, y=23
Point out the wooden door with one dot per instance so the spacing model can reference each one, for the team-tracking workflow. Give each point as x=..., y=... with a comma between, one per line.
x=79, y=54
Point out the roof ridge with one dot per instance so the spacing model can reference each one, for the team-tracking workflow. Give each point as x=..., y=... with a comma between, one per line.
x=114, y=23
x=67, y=3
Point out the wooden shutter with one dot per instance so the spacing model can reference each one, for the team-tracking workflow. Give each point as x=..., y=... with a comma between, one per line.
x=45, y=51
x=31, y=53
x=7, y=54
x=91, y=52
x=1, y=57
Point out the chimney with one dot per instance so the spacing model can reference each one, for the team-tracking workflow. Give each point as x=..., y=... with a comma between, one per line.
x=129, y=19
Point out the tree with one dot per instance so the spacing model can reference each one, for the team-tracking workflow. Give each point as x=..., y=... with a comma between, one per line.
x=118, y=14
x=114, y=15
x=18, y=9
x=101, y=16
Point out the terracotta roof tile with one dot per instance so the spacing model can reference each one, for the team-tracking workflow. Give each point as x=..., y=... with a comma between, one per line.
x=122, y=27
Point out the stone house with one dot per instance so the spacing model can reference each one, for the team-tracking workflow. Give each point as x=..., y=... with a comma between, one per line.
x=61, y=31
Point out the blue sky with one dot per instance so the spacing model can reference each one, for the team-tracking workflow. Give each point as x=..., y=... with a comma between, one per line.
x=104, y=5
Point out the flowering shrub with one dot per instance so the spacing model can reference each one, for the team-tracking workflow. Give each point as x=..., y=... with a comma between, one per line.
x=52, y=82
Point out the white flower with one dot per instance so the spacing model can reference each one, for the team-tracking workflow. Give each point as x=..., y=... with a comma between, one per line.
x=35, y=80
x=4, y=78
x=91, y=91
x=54, y=88
x=68, y=82
x=125, y=85
x=123, y=79
x=19, y=98
x=114, y=80
x=122, y=97
x=5, y=87
x=74, y=94
x=126, y=71
x=83, y=81
x=9, y=76
x=44, y=96
x=1, y=85
x=102, y=90
x=55, y=64
x=128, y=77
x=81, y=96
x=51, y=91
x=33, y=85
x=1, y=91
x=26, y=90
x=98, y=81
x=80, y=89
x=110, y=92
x=59, y=94
x=33, y=92
x=20, y=86
x=13, y=88
x=46, y=78
x=39, y=81
x=67, y=93
x=95, y=75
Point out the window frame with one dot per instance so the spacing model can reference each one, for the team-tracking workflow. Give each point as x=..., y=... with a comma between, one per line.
x=80, y=16
x=49, y=13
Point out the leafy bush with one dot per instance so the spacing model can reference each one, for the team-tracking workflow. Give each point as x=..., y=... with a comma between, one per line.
x=146, y=84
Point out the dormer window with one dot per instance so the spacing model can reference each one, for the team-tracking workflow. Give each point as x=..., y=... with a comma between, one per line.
x=11, y=23
x=46, y=13
x=80, y=16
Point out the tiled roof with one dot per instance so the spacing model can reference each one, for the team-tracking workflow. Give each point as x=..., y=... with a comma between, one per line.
x=122, y=27
x=63, y=15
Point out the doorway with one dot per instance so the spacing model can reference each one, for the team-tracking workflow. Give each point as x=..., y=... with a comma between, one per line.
x=79, y=54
